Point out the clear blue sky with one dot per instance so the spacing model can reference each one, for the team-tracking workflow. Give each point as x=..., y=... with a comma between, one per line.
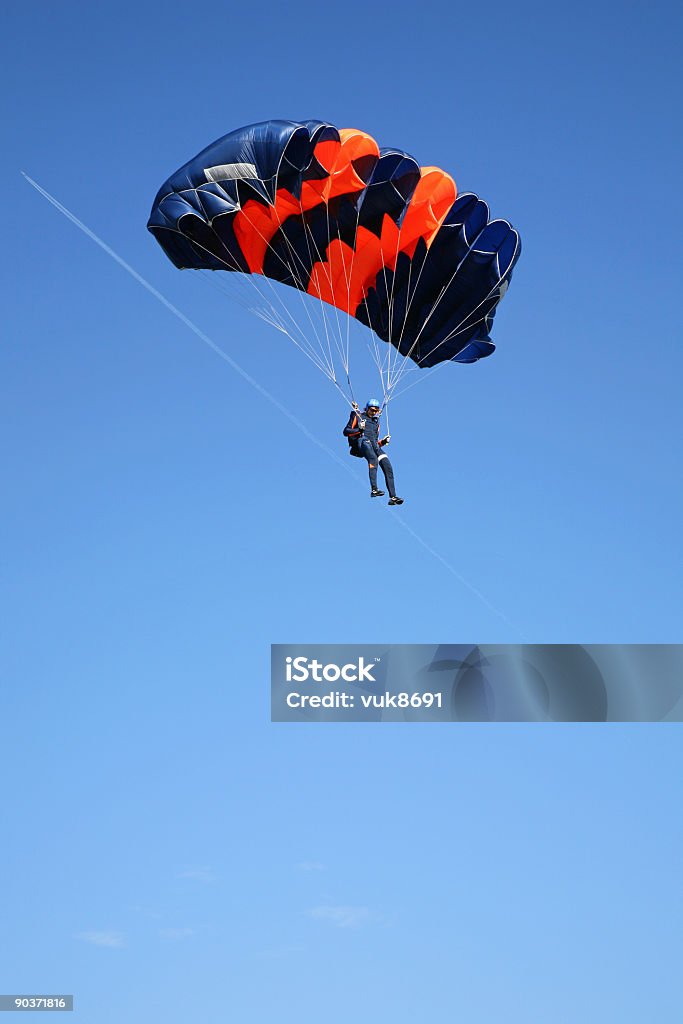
x=163, y=524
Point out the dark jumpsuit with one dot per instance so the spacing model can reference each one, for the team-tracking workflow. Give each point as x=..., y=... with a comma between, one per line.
x=369, y=446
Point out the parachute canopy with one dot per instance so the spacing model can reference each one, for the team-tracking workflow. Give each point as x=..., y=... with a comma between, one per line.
x=367, y=230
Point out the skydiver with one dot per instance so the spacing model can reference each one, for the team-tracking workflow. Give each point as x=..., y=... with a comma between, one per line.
x=362, y=433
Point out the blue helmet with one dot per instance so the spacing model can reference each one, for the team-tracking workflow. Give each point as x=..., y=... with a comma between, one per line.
x=373, y=403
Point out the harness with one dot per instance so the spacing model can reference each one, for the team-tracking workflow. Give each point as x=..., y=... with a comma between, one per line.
x=355, y=442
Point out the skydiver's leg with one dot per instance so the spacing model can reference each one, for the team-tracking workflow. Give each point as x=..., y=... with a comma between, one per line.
x=369, y=454
x=388, y=471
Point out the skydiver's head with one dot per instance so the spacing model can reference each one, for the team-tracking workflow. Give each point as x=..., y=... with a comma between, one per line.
x=372, y=407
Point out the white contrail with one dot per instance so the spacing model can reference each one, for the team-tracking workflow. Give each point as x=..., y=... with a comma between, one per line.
x=258, y=387
x=186, y=320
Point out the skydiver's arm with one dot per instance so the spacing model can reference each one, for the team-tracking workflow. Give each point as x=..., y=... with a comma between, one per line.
x=354, y=428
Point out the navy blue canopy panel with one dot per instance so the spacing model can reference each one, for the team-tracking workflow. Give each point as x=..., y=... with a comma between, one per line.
x=369, y=231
